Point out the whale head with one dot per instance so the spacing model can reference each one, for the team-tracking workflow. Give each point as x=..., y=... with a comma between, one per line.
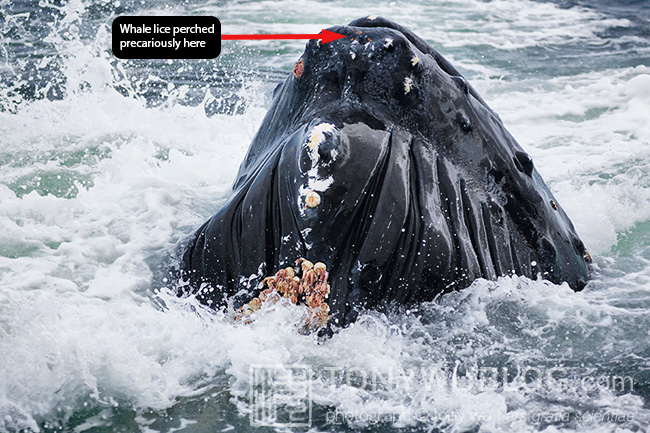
x=380, y=160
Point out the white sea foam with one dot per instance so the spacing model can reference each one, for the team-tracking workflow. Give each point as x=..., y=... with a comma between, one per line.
x=77, y=272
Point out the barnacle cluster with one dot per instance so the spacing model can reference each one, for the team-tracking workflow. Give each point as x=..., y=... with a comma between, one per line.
x=310, y=289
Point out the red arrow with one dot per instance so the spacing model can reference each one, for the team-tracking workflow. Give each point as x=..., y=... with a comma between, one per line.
x=326, y=36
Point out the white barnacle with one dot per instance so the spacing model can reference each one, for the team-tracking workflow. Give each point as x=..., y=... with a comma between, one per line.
x=353, y=55
x=372, y=17
x=317, y=135
x=315, y=183
x=388, y=42
x=312, y=199
x=408, y=84
x=415, y=60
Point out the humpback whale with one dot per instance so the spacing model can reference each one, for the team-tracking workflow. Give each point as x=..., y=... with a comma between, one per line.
x=377, y=158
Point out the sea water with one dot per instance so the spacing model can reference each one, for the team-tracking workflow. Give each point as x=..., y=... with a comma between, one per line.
x=107, y=166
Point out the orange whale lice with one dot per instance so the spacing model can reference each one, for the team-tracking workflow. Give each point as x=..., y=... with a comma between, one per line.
x=298, y=68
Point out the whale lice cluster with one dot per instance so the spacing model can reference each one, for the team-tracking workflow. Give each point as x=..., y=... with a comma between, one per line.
x=298, y=68
x=310, y=289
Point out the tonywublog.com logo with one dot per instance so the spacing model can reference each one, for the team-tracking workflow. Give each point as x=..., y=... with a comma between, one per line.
x=281, y=395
